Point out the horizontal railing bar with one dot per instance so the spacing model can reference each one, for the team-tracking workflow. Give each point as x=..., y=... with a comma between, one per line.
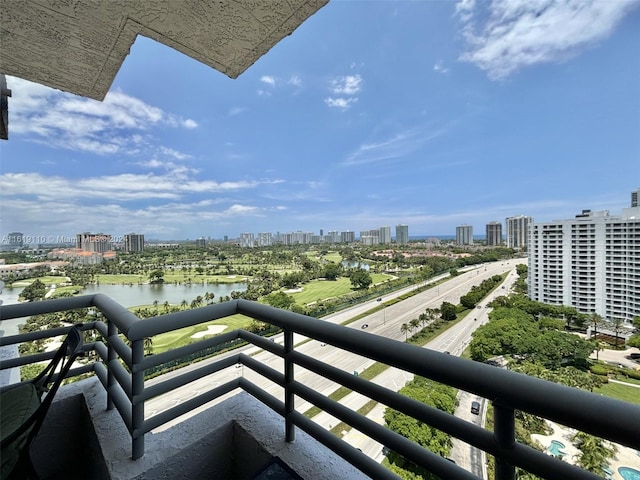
x=102, y=328
x=121, y=348
x=32, y=336
x=409, y=449
x=174, y=321
x=262, y=342
x=156, y=360
x=122, y=376
x=466, y=431
x=269, y=400
x=263, y=369
x=529, y=394
x=185, y=407
x=121, y=317
x=28, y=309
x=26, y=360
x=182, y=379
x=359, y=460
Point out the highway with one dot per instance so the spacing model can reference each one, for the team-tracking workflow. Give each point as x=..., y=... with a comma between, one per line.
x=385, y=322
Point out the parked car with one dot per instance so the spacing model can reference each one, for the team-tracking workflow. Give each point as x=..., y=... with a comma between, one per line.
x=475, y=408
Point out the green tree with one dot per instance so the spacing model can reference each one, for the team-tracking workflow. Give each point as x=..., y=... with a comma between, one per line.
x=636, y=323
x=156, y=276
x=331, y=271
x=360, y=279
x=280, y=300
x=448, y=311
x=35, y=291
x=148, y=346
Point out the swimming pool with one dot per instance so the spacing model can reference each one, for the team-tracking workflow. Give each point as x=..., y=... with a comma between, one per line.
x=629, y=473
x=556, y=449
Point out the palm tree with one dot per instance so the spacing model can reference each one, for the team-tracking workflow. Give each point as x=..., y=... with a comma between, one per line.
x=155, y=304
x=414, y=324
x=148, y=346
x=166, y=306
x=616, y=325
x=595, y=321
x=184, y=304
x=404, y=328
x=595, y=452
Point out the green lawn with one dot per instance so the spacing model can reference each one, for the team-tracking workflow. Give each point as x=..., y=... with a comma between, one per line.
x=68, y=289
x=323, y=289
x=48, y=280
x=620, y=392
x=178, y=338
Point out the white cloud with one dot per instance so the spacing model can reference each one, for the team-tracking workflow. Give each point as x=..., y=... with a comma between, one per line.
x=440, y=68
x=504, y=36
x=296, y=81
x=174, y=153
x=119, y=124
x=343, y=103
x=176, y=183
x=264, y=93
x=237, y=111
x=269, y=80
x=395, y=146
x=346, y=85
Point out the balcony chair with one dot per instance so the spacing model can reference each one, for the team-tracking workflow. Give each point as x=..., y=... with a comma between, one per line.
x=24, y=405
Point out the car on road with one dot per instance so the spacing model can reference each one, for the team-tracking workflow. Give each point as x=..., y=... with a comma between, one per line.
x=364, y=325
x=447, y=352
x=475, y=408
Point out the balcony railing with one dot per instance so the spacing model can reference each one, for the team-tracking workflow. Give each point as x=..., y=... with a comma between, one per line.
x=613, y=420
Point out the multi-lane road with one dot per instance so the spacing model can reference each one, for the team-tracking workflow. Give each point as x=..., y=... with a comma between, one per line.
x=385, y=322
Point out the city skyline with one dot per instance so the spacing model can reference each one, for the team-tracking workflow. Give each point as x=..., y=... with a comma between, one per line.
x=414, y=116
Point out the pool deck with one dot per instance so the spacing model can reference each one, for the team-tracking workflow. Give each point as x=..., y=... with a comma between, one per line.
x=626, y=457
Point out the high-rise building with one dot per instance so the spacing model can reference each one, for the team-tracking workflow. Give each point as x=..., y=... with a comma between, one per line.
x=264, y=239
x=402, y=234
x=93, y=242
x=201, y=242
x=464, y=235
x=384, y=235
x=348, y=236
x=494, y=234
x=635, y=198
x=518, y=231
x=591, y=262
x=247, y=240
x=133, y=242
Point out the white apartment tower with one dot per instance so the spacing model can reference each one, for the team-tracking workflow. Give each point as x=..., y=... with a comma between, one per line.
x=591, y=262
x=464, y=235
x=402, y=234
x=384, y=235
x=518, y=231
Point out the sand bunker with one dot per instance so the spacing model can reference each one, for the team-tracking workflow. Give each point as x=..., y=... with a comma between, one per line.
x=211, y=330
x=293, y=290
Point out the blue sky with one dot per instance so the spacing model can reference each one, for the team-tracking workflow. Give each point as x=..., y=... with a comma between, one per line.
x=431, y=114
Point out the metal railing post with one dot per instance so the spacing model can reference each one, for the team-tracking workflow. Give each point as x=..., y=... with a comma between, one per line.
x=137, y=389
x=112, y=331
x=505, y=433
x=290, y=433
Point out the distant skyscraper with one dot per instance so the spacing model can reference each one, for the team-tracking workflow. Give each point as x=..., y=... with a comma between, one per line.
x=635, y=198
x=518, y=229
x=464, y=235
x=133, y=242
x=494, y=234
x=384, y=235
x=402, y=234
x=201, y=242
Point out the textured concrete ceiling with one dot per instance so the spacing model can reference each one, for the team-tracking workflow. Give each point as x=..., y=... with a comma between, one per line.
x=79, y=45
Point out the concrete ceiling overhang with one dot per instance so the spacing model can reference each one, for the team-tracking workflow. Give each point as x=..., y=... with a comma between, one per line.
x=79, y=45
